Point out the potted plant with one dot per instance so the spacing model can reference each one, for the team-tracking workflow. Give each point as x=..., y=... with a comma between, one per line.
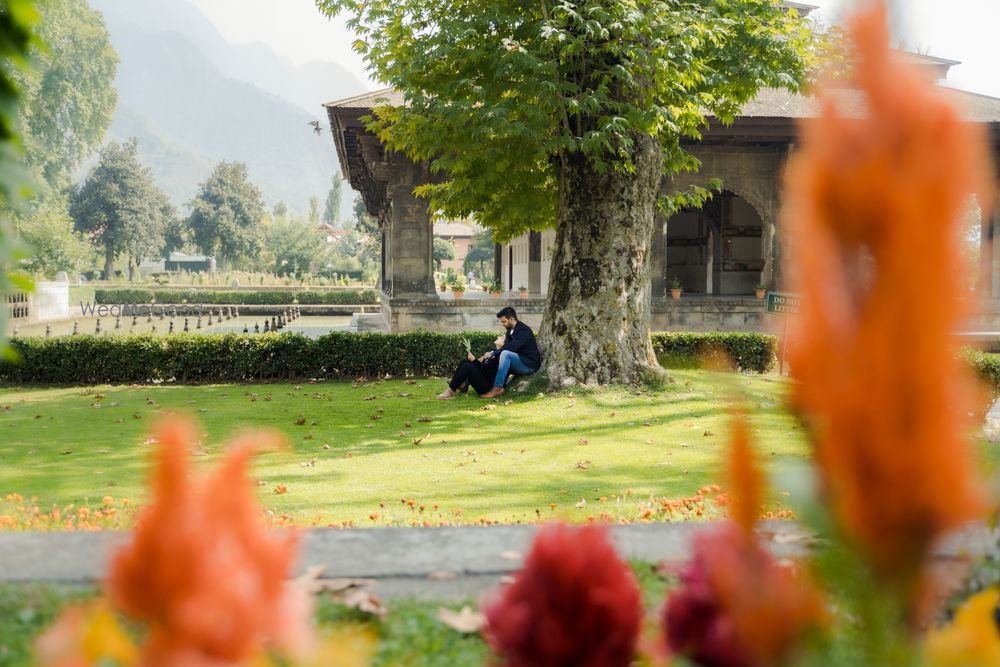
x=676, y=288
x=522, y=292
x=458, y=289
x=496, y=289
x=760, y=290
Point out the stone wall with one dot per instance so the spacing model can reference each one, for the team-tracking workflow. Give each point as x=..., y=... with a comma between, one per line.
x=685, y=314
x=701, y=314
x=449, y=316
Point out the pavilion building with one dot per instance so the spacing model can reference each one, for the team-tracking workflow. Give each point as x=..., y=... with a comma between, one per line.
x=719, y=253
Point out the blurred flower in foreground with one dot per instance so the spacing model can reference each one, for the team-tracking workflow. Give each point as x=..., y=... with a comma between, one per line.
x=872, y=213
x=736, y=606
x=86, y=635
x=202, y=571
x=574, y=604
x=972, y=639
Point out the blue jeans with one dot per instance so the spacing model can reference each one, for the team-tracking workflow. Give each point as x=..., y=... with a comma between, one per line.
x=510, y=362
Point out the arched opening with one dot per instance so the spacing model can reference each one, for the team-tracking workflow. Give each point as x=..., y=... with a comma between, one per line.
x=716, y=250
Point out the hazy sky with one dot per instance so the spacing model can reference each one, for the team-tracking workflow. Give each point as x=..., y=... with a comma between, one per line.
x=964, y=30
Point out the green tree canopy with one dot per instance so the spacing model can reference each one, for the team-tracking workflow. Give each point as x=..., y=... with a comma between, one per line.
x=226, y=214
x=295, y=246
x=331, y=214
x=569, y=113
x=443, y=250
x=120, y=208
x=55, y=245
x=479, y=259
x=18, y=23
x=69, y=93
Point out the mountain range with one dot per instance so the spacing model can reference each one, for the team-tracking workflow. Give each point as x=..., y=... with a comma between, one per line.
x=192, y=99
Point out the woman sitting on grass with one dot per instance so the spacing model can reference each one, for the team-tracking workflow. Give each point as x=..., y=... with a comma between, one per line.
x=473, y=372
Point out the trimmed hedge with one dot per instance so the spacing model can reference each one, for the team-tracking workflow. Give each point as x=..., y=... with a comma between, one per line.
x=233, y=357
x=986, y=366
x=749, y=352
x=235, y=297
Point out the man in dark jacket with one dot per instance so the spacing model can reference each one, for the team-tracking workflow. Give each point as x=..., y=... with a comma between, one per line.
x=519, y=354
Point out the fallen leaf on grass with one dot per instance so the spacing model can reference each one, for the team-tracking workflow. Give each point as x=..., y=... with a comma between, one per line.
x=280, y=489
x=411, y=382
x=583, y=465
x=66, y=451
x=370, y=398
x=417, y=441
x=300, y=421
x=310, y=463
x=488, y=407
x=313, y=583
x=571, y=403
x=325, y=447
x=465, y=620
x=583, y=441
x=362, y=600
x=582, y=503
x=421, y=419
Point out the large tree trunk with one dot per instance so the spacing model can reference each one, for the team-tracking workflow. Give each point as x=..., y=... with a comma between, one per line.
x=109, y=262
x=596, y=324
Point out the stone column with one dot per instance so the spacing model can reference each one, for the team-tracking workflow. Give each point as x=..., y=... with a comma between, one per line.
x=410, y=234
x=658, y=268
x=498, y=263
x=535, y=263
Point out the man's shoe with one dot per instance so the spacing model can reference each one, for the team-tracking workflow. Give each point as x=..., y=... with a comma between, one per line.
x=446, y=395
x=493, y=393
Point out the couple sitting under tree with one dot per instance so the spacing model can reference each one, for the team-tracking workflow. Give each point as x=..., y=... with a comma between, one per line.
x=516, y=352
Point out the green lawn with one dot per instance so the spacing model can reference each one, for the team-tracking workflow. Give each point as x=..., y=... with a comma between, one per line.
x=358, y=446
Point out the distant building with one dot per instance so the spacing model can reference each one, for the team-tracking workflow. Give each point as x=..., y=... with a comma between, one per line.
x=178, y=261
x=719, y=252
x=462, y=235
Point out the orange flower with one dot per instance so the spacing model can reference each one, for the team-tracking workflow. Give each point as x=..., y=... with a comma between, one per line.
x=202, y=571
x=872, y=212
x=745, y=479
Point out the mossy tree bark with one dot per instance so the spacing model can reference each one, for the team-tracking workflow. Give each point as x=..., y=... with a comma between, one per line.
x=596, y=327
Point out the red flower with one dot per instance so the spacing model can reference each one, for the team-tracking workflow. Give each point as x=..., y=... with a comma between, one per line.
x=737, y=607
x=575, y=604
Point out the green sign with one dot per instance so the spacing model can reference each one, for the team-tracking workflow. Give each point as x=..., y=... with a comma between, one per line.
x=784, y=304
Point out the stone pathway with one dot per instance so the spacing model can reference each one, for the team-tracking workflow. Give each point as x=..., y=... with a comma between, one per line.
x=420, y=563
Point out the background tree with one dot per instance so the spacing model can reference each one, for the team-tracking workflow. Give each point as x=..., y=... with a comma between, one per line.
x=226, y=214
x=443, y=250
x=69, y=93
x=295, y=246
x=280, y=211
x=120, y=208
x=53, y=242
x=568, y=114
x=479, y=259
x=331, y=214
x=314, y=211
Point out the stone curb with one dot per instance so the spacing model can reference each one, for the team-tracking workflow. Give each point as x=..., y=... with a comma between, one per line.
x=423, y=563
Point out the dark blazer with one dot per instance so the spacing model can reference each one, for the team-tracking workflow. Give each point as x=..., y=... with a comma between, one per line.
x=521, y=340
